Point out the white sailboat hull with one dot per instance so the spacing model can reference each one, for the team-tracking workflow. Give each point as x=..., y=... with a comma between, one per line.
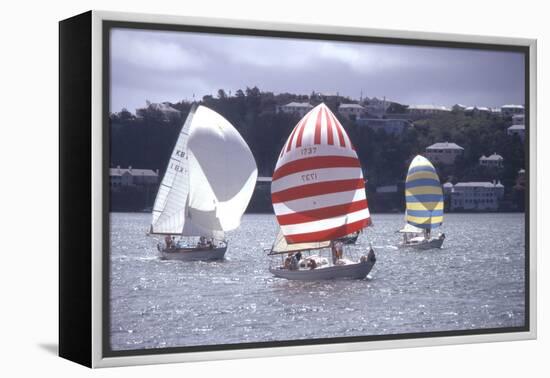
x=424, y=244
x=194, y=254
x=350, y=271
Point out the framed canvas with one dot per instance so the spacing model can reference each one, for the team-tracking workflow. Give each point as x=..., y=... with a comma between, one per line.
x=234, y=189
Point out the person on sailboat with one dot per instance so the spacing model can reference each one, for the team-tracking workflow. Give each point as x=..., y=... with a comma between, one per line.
x=311, y=264
x=337, y=251
x=168, y=241
x=293, y=263
x=202, y=242
x=286, y=265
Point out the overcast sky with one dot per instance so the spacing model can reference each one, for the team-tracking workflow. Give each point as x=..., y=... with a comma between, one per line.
x=172, y=66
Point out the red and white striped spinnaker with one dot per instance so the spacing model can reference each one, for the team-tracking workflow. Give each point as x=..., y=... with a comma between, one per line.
x=318, y=189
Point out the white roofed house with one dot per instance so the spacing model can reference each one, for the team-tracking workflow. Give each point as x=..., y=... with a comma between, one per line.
x=492, y=161
x=444, y=153
x=510, y=110
x=476, y=196
x=300, y=108
x=518, y=130
x=350, y=110
x=471, y=110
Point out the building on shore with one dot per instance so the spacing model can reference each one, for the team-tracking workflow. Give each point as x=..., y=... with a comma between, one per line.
x=518, y=130
x=475, y=196
x=444, y=153
x=132, y=177
x=428, y=109
x=510, y=110
x=475, y=110
x=300, y=108
x=447, y=189
x=518, y=119
x=492, y=161
x=389, y=126
x=350, y=111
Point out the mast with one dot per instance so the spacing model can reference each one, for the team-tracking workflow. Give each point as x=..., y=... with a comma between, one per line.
x=318, y=188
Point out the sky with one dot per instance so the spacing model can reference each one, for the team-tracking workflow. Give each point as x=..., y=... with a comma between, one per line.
x=173, y=66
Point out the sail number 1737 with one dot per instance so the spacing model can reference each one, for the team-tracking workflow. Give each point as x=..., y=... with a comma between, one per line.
x=309, y=177
x=308, y=151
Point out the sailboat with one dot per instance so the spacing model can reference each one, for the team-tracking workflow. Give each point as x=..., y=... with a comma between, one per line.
x=424, y=210
x=318, y=195
x=205, y=190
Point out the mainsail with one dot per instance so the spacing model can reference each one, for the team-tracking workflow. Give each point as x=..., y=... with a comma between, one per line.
x=170, y=204
x=217, y=179
x=423, y=195
x=318, y=189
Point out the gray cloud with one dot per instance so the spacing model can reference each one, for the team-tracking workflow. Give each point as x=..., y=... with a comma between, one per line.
x=171, y=66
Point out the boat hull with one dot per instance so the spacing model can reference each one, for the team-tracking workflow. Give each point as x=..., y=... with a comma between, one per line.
x=426, y=244
x=194, y=254
x=350, y=271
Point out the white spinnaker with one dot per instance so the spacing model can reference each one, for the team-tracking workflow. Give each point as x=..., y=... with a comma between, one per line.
x=169, y=208
x=222, y=174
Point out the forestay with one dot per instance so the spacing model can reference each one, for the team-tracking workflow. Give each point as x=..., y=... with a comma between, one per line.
x=318, y=189
x=424, y=195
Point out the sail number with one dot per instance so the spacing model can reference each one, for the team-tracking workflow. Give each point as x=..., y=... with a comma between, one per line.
x=308, y=177
x=308, y=151
x=176, y=167
x=180, y=153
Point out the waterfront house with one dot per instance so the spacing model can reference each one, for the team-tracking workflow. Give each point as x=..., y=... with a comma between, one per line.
x=444, y=153
x=492, y=161
x=132, y=177
x=476, y=196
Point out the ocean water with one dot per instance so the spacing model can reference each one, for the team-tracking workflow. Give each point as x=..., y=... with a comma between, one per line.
x=475, y=281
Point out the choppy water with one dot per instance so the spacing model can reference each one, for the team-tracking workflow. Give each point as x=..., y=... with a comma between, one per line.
x=475, y=281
